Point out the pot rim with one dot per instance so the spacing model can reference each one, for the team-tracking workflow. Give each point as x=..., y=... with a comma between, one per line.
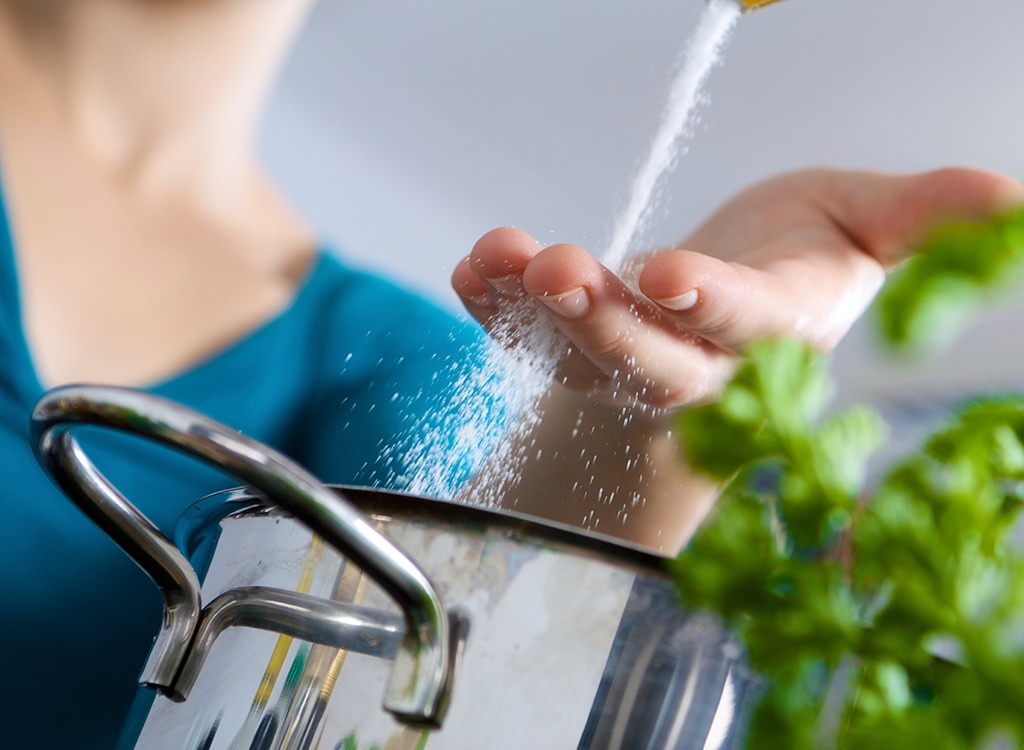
x=198, y=518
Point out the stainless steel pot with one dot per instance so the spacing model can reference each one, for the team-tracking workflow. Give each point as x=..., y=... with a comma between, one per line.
x=480, y=629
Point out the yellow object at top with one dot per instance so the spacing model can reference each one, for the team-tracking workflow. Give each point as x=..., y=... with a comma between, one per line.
x=755, y=4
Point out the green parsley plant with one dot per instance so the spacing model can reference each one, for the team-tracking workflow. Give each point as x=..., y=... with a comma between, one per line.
x=882, y=615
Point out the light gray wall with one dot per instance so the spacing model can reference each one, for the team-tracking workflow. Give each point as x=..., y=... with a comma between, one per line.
x=404, y=129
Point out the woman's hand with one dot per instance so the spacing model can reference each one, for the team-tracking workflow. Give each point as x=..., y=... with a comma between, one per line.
x=802, y=254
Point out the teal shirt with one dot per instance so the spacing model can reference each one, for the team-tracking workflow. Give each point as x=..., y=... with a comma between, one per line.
x=342, y=373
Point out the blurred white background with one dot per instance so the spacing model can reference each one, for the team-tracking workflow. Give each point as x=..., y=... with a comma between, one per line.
x=404, y=130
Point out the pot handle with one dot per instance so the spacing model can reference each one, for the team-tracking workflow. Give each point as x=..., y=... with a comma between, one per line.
x=423, y=669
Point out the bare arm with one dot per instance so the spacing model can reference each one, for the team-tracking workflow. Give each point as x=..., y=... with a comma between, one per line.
x=611, y=469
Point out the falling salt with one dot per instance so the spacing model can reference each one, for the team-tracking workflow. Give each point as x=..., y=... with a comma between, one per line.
x=446, y=446
x=702, y=54
x=443, y=447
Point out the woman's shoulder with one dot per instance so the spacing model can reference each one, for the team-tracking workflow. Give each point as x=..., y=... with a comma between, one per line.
x=367, y=299
x=334, y=277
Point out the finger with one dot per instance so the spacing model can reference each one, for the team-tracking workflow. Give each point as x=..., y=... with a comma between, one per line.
x=499, y=258
x=489, y=282
x=638, y=348
x=886, y=216
x=476, y=296
x=813, y=292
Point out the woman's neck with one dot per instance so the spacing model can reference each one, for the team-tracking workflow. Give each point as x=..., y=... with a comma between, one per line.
x=164, y=96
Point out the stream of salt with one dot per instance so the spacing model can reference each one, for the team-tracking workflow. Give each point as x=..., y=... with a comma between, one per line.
x=684, y=99
x=461, y=437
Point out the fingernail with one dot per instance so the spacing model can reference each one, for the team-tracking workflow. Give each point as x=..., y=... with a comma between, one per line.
x=681, y=302
x=508, y=286
x=572, y=304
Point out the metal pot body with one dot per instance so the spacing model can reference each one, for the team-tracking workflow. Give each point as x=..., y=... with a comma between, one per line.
x=567, y=641
x=345, y=618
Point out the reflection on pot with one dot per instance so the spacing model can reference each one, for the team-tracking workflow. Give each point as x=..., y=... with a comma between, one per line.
x=344, y=618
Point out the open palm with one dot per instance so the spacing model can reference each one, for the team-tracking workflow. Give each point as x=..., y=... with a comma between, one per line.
x=801, y=254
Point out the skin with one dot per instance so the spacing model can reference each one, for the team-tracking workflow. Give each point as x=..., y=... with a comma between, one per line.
x=147, y=233
x=133, y=124
x=801, y=254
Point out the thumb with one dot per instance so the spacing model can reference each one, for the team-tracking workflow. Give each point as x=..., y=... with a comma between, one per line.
x=815, y=293
x=886, y=216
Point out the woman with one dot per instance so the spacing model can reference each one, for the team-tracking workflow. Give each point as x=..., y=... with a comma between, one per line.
x=142, y=244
